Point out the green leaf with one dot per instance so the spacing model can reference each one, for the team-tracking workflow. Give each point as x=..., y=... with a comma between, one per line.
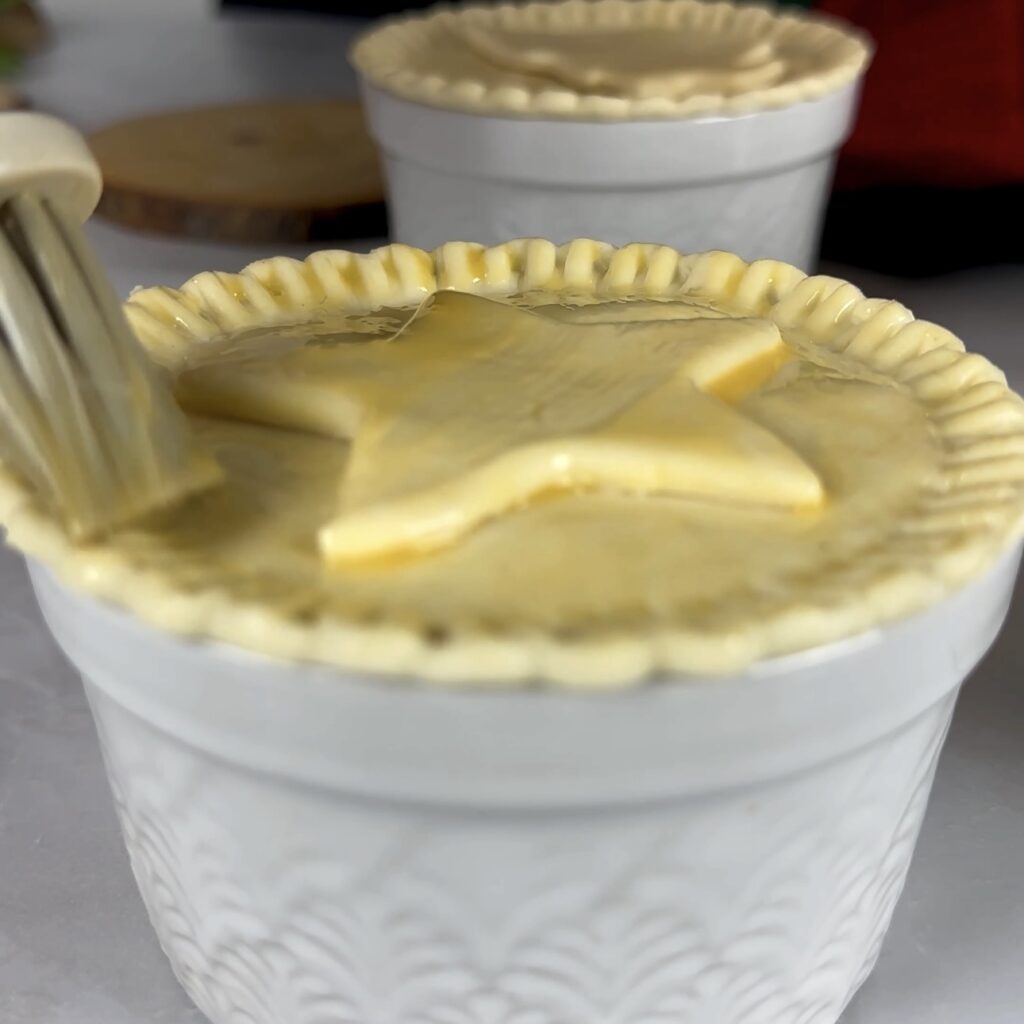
x=9, y=62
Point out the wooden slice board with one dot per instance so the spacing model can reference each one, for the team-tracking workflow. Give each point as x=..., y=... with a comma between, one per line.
x=284, y=171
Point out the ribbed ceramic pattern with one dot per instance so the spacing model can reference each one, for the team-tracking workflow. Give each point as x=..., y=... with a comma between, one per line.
x=284, y=905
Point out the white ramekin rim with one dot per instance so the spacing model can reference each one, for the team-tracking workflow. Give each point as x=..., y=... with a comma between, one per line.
x=535, y=747
x=587, y=153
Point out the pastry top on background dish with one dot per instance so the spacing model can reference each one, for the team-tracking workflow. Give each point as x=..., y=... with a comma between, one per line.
x=612, y=59
x=575, y=464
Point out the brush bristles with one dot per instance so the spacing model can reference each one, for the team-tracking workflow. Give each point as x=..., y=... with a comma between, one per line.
x=86, y=418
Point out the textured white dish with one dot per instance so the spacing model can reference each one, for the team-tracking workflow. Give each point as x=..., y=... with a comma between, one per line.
x=314, y=847
x=754, y=184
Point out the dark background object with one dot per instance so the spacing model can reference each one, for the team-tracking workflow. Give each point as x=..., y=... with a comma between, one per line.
x=369, y=8
x=923, y=230
x=931, y=178
x=352, y=8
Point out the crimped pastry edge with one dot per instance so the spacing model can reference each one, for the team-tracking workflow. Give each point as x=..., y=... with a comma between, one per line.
x=383, y=55
x=973, y=513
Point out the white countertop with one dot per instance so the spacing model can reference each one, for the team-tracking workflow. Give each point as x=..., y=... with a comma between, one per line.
x=75, y=945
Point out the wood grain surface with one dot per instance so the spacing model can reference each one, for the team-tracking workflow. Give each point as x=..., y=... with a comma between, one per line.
x=278, y=171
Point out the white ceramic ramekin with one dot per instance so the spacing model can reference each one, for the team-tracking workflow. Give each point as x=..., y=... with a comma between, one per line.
x=754, y=184
x=320, y=849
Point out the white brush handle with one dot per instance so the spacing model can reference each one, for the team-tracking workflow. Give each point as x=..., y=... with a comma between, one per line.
x=41, y=154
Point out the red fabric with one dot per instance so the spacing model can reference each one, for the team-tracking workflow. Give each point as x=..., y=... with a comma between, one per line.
x=944, y=98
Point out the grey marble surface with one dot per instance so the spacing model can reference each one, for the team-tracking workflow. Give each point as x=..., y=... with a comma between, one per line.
x=75, y=945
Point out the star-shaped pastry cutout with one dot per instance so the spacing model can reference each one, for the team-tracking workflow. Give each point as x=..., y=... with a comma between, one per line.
x=476, y=408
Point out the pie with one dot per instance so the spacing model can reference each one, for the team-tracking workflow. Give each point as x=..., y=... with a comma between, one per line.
x=578, y=464
x=612, y=59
